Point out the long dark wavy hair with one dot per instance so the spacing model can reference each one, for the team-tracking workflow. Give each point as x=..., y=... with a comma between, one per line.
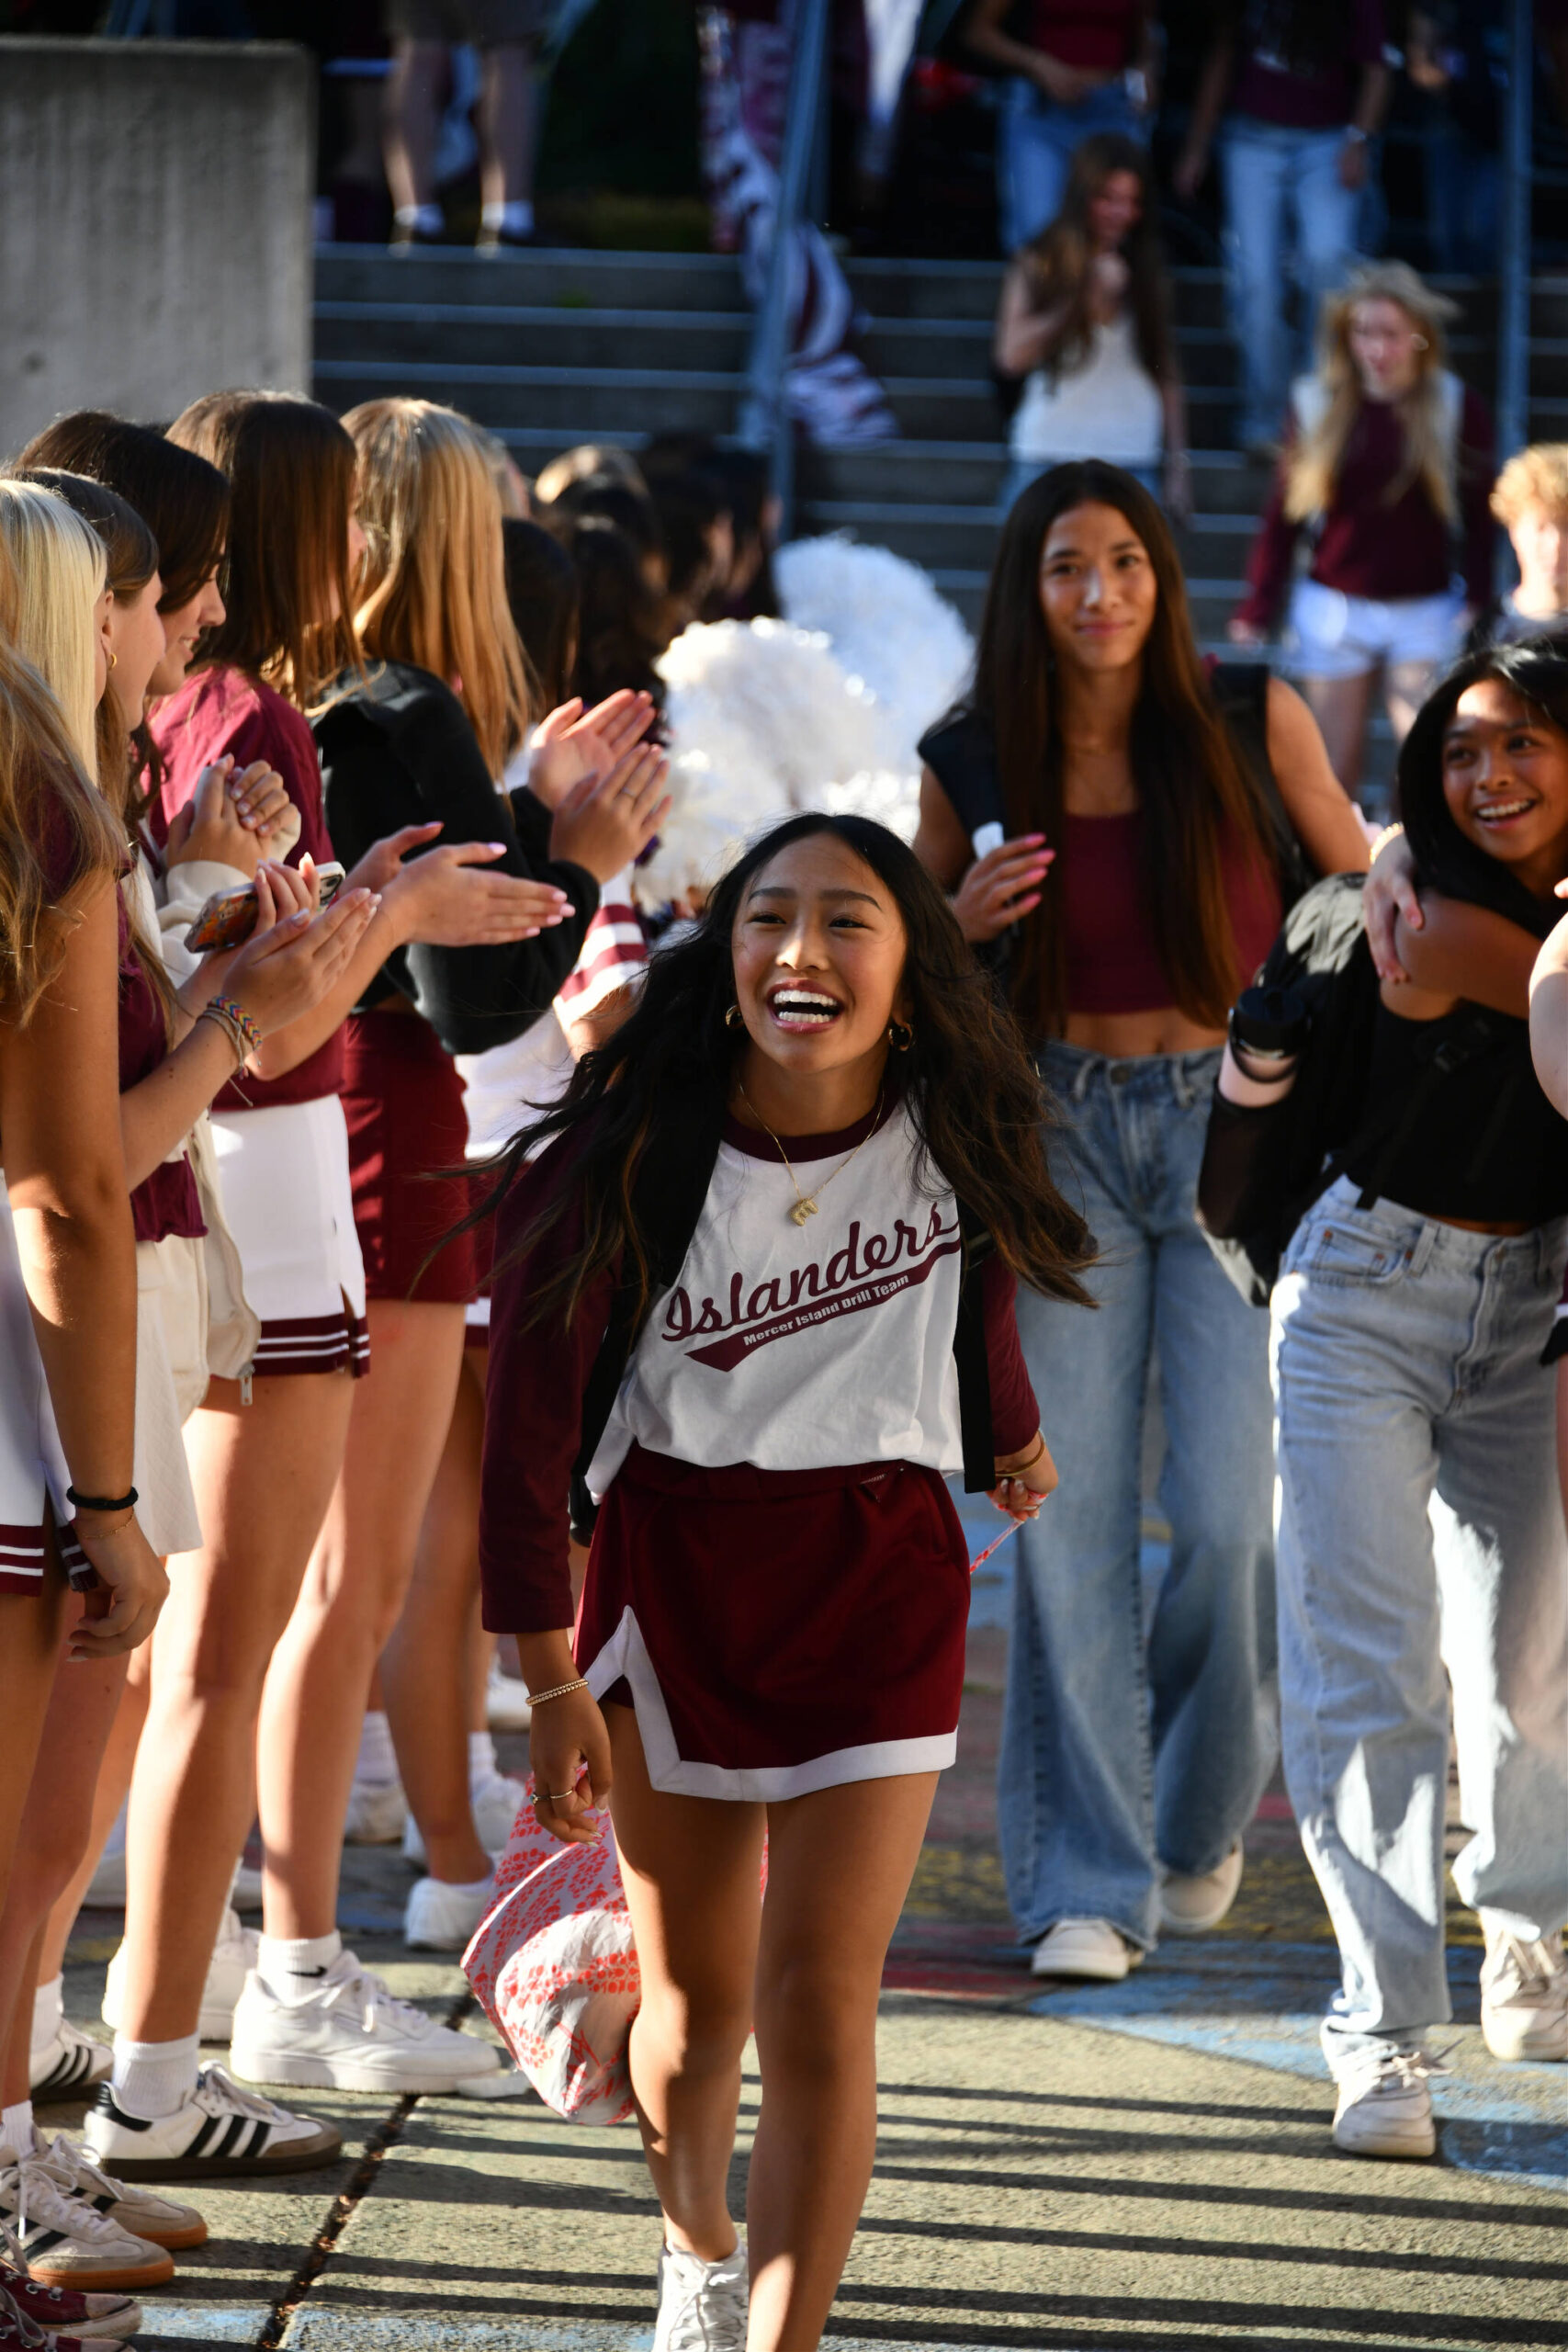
x=1194, y=789
x=967, y=1083
x=1055, y=264
x=1447, y=861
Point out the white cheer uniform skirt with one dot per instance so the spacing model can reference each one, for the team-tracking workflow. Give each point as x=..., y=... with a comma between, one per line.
x=290, y=1208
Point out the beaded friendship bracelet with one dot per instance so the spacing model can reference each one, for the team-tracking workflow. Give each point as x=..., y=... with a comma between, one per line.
x=242, y=1020
x=538, y=1698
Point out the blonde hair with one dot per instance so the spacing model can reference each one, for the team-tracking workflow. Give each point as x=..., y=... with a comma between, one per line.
x=55, y=833
x=1314, y=463
x=1536, y=477
x=58, y=565
x=434, y=581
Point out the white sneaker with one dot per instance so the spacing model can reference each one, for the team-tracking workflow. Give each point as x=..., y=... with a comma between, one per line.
x=72, y=2063
x=233, y=1957
x=495, y=1800
x=106, y=2318
x=1385, y=2108
x=702, y=2305
x=1190, y=1906
x=378, y=1814
x=220, y=2132
x=351, y=2034
x=442, y=1918
x=1523, y=1996
x=1087, y=1948
x=176, y=2228
x=506, y=1701
x=65, y=2242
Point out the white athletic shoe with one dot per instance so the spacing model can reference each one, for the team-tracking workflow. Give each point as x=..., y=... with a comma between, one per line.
x=702, y=2305
x=141, y=2214
x=506, y=1701
x=1087, y=1948
x=378, y=1814
x=220, y=2132
x=1385, y=2108
x=495, y=1800
x=68, y=2066
x=350, y=2033
x=233, y=1957
x=442, y=1918
x=1190, y=1906
x=65, y=2242
x=1524, y=1995
x=64, y=2312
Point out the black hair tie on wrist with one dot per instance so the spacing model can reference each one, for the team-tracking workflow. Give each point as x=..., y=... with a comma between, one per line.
x=102, y=1502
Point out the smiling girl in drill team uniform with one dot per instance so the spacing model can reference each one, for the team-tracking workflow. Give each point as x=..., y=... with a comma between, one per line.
x=759, y=1290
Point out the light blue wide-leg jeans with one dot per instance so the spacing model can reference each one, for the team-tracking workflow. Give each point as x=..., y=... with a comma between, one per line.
x=1120, y=1753
x=1420, y=1529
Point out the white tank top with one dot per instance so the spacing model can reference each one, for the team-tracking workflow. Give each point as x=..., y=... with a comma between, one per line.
x=1107, y=406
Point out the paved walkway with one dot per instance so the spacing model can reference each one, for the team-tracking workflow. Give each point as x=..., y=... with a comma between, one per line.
x=1137, y=2164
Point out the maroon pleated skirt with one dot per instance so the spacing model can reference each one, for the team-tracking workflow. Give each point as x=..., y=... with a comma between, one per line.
x=407, y=1130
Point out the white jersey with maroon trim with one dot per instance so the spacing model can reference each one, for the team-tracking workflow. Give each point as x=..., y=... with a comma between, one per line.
x=795, y=1345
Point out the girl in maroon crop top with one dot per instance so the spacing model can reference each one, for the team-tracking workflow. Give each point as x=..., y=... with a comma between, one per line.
x=1149, y=852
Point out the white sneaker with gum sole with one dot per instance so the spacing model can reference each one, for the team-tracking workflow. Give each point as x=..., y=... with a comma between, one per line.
x=1091, y=1948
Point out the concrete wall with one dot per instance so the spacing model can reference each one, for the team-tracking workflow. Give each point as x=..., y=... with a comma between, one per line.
x=154, y=224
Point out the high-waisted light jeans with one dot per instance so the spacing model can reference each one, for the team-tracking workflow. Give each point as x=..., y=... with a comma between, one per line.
x=1420, y=1529
x=1123, y=1750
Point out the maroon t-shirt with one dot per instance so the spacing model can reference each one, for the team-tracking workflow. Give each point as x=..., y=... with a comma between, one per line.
x=167, y=1201
x=1369, y=546
x=223, y=710
x=1097, y=36
x=1296, y=93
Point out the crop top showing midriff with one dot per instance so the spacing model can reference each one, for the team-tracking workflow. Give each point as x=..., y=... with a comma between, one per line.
x=1113, y=960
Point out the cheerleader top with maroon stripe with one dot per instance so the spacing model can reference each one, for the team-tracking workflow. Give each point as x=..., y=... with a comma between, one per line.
x=791, y=1346
x=221, y=711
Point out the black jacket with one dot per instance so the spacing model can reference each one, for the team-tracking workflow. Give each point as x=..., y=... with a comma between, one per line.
x=398, y=749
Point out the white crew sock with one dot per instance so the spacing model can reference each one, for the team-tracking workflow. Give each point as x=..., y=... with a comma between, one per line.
x=482, y=1765
x=376, y=1767
x=473, y=1886
x=17, y=2127
x=155, y=2079
x=49, y=2013
x=428, y=219
x=514, y=220
x=292, y=1966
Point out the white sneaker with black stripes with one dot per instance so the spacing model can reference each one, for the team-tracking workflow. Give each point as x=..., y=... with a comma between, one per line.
x=67, y=2066
x=220, y=2132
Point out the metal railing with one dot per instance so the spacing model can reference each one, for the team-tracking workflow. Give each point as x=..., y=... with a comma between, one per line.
x=1513, y=272
x=765, y=421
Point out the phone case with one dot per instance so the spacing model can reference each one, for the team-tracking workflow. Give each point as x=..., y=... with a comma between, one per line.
x=226, y=920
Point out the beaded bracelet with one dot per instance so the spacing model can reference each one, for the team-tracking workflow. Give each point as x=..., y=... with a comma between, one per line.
x=538, y=1698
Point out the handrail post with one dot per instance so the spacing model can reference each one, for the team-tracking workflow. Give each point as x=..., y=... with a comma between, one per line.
x=1514, y=279
x=765, y=421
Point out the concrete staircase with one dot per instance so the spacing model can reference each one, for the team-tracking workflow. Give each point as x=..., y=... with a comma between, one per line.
x=549, y=348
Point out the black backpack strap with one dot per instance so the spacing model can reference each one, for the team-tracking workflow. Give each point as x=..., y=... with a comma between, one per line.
x=973, y=1360
x=1241, y=689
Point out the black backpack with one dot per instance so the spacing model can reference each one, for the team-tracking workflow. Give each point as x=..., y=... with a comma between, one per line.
x=1264, y=1168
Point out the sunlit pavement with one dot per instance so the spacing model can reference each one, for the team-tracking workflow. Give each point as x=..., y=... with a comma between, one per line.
x=1146, y=2164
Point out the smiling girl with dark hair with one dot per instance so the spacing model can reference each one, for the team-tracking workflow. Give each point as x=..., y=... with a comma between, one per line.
x=759, y=1290
x=1158, y=818
x=1421, y=1527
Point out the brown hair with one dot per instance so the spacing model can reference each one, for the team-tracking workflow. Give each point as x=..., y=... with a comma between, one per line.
x=183, y=501
x=434, y=586
x=1314, y=462
x=56, y=835
x=1194, y=789
x=1055, y=264
x=290, y=465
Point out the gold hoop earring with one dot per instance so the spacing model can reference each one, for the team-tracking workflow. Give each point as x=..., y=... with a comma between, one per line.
x=901, y=1036
x=114, y=658
x=735, y=1018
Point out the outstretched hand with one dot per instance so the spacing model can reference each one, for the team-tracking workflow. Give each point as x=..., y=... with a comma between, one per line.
x=573, y=746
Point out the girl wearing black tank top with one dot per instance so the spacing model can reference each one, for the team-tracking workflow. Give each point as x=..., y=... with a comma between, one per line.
x=1130, y=1763
x=1421, y=1528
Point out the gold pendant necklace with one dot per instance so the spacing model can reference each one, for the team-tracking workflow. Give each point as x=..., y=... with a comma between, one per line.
x=806, y=1203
